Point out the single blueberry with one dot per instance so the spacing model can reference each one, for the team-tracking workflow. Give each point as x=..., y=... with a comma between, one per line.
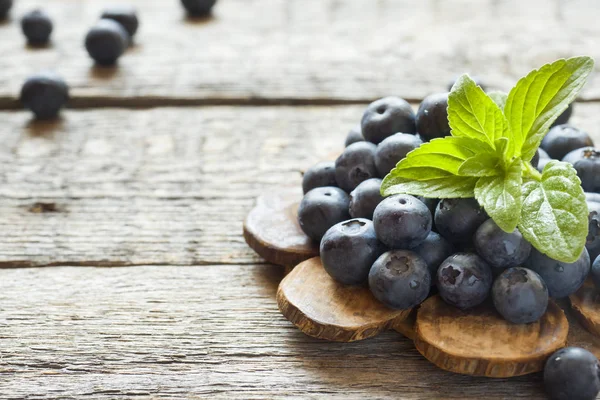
x=198, y=7
x=125, y=15
x=37, y=27
x=387, y=116
x=393, y=149
x=365, y=198
x=536, y=159
x=542, y=164
x=586, y=162
x=106, y=41
x=520, y=295
x=562, y=279
x=402, y=221
x=565, y=116
x=563, y=139
x=572, y=373
x=542, y=153
x=5, y=6
x=355, y=165
x=592, y=243
x=595, y=272
x=434, y=250
x=430, y=203
x=355, y=135
x=458, y=219
x=319, y=175
x=400, y=279
x=464, y=280
x=44, y=94
x=320, y=209
x=500, y=249
x=432, y=117
x=349, y=249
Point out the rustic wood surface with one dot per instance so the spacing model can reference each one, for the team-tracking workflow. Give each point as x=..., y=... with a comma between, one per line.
x=302, y=52
x=586, y=306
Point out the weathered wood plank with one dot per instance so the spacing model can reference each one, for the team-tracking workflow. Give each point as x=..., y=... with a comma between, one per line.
x=211, y=331
x=158, y=186
x=315, y=51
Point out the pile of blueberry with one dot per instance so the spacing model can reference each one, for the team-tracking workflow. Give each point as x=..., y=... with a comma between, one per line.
x=407, y=248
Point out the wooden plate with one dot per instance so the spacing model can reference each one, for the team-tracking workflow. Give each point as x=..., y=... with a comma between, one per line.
x=326, y=309
x=272, y=230
x=480, y=342
x=586, y=306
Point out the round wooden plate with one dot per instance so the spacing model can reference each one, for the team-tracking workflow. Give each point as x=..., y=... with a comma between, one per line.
x=586, y=305
x=480, y=342
x=323, y=308
x=272, y=230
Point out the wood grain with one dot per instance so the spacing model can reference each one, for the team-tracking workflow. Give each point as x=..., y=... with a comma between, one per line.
x=325, y=309
x=480, y=342
x=272, y=230
x=586, y=306
x=301, y=52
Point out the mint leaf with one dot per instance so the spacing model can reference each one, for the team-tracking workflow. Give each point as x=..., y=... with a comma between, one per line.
x=471, y=113
x=540, y=97
x=554, y=214
x=500, y=196
x=484, y=164
x=499, y=98
x=449, y=187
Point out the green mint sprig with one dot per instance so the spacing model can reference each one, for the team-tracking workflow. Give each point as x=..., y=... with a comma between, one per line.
x=493, y=139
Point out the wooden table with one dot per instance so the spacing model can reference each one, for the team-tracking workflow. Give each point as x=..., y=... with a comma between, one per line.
x=157, y=162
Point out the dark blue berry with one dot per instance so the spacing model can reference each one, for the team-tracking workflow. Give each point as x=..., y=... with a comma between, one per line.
x=125, y=15
x=320, y=209
x=400, y=279
x=319, y=175
x=106, y=41
x=458, y=219
x=393, y=149
x=198, y=7
x=355, y=135
x=542, y=153
x=402, y=221
x=349, y=249
x=565, y=116
x=37, y=27
x=464, y=280
x=432, y=117
x=500, y=249
x=385, y=117
x=595, y=272
x=355, y=165
x=430, y=203
x=563, y=139
x=572, y=373
x=44, y=94
x=5, y=6
x=542, y=164
x=586, y=162
x=434, y=250
x=562, y=279
x=365, y=198
x=520, y=295
x=592, y=243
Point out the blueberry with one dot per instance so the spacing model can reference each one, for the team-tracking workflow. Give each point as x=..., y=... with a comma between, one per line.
x=37, y=27
x=44, y=94
x=198, y=7
x=592, y=243
x=477, y=80
x=464, y=280
x=393, y=149
x=562, y=279
x=536, y=159
x=5, y=6
x=320, y=209
x=402, y=221
x=542, y=164
x=430, y=203
x=562, y=139
x=520, y=295
x=542, y=153
x=592, y=197
x=565, y=116
x=434, y=250
x=106, y=41
x=387, y=116
x=355, y=135
x=349, y=249
x=319, y=175
x=125, y=15
x=400, y=279
x=365, y=198
x=432, y=117
x=586, y=162
x=458, y=219
x=355, y=165
x=572, y=373
x=500, y=249
x=595, y=272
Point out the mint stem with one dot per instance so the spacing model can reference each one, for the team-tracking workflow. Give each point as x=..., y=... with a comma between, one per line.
x=531, y=172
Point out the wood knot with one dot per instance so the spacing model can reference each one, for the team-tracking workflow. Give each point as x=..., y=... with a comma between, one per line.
x=40, y=208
